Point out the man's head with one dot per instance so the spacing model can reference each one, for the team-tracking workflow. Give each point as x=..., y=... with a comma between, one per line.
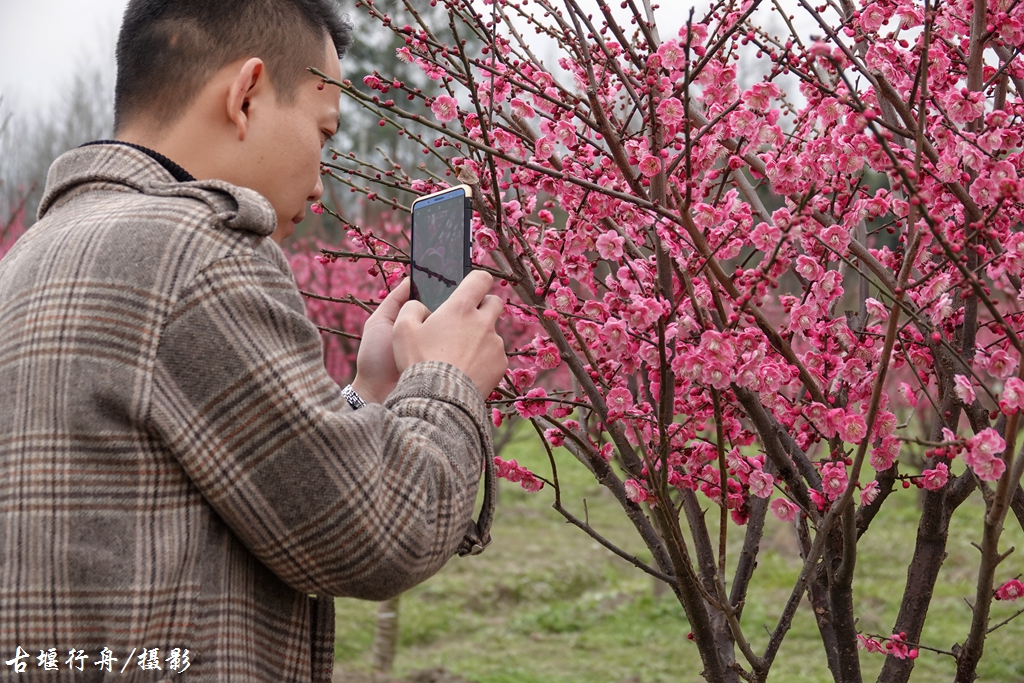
x=222, y=87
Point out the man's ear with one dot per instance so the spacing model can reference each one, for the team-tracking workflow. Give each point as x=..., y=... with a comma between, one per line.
x=246, y=81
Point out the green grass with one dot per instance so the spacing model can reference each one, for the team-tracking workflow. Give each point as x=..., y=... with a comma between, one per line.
x=546, y=604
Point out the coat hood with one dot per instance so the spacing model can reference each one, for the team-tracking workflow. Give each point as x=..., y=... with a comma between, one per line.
x=127, y=169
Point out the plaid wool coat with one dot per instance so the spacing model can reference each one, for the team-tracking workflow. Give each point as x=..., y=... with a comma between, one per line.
x=177, y=470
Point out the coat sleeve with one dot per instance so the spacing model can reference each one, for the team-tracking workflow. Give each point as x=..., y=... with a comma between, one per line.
x=362, y=503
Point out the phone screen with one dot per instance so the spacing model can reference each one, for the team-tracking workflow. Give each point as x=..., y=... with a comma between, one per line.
x=438, y=247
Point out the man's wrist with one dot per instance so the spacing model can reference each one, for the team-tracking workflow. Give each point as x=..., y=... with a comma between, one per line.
x=364, y=392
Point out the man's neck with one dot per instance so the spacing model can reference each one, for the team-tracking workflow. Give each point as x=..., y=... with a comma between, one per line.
x=175, y=169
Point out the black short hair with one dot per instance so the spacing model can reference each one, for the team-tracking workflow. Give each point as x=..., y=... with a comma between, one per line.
x=168, y=50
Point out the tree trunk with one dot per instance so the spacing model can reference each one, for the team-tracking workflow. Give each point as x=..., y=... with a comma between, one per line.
x=385, y=637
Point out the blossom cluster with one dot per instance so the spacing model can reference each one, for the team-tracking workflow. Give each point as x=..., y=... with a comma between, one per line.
x=1011, y=590
x=512, y=471
x=894, y=645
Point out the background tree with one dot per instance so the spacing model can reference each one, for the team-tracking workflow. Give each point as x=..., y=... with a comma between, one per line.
x=31, y=141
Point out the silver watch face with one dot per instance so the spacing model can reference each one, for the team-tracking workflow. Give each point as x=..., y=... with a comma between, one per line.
x=354, y=399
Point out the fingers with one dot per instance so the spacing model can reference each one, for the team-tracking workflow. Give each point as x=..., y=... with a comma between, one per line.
x=493, y=307
x=412, y=313
x=392, y=304
x=473, y=288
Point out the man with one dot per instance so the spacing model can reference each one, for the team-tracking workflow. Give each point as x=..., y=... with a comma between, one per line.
x=182, y=487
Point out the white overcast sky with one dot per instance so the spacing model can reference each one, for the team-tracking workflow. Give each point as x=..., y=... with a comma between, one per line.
x=43, y=42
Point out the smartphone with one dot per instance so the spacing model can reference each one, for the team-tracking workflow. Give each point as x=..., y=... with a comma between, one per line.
x=441, y=256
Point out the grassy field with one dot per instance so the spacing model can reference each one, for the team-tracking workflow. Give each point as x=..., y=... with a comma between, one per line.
x=546, y=604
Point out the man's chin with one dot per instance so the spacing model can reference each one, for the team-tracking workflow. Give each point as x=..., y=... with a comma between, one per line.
x=283, y=231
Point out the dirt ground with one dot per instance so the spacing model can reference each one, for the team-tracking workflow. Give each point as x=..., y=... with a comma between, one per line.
x=440, y=675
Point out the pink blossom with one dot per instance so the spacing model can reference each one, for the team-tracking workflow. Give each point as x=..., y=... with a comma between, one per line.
x=981, y=454
x=852, y=428
x=964, y=390
x=531, y=483
x=854, y=370
x=833, y=479
x=765, y=236
x=609, y=245
x=935, y=479
x=898, y=647
x=989, y=470
x=870, y=644
x=317, y=208
x=672, y=54
x=565, y=133
x=784, y=510
x=565, y=299
x=649, y=165
x=635, y=491
x=909, y=395
x=985, y=444
x=544, y=148
x=521, y=108
x=615, y=334
x=872, y=17
x=877, y=309
x=619, y=401
x=1001, y=364
x=760, y=483
x=803, y=317
x=836, y=238
x=963, y=106
x=548, y=357
x=487, y=240
x=1012, y=399
x=1011, y=590
x=809, y=268
x=445, y=108
x=984, y=192
x=670, y=111
x=785, y=170
x=533, y=404
x=869, y=493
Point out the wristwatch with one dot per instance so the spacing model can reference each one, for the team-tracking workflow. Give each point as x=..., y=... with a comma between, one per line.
x=354, y=399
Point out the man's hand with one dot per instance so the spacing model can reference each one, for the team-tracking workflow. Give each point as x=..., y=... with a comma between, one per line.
x=376, y=371
x=460, y=332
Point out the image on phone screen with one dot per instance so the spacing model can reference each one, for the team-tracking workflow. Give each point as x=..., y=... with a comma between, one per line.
x=438, y=247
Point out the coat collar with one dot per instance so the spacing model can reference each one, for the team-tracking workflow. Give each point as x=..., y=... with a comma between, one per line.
x=129, y=169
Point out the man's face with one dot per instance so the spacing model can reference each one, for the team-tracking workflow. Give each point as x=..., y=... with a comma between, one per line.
x=287, y=141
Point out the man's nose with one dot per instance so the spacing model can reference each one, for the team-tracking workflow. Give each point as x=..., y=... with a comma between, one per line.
x=318, y=189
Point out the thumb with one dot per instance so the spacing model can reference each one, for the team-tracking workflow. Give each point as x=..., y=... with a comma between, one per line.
x=473, y=288
x=393, y=302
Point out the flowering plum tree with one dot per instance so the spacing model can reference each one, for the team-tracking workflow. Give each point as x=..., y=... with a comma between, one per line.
x=353, y=278
x=748, y=289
